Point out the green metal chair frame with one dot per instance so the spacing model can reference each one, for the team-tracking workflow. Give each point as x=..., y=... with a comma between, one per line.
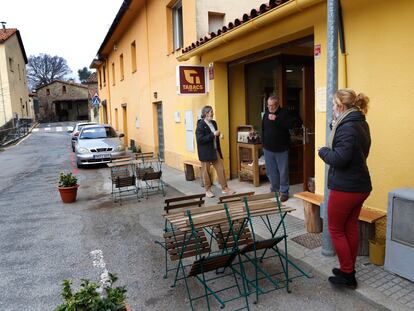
x=202, y=265
x=173, y=238
x=265, y=245
x=149, y=176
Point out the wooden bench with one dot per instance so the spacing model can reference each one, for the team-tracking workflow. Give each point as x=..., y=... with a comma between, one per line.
x=189, y=169
x=311, y=209
x=367, y=219
x=189, y=166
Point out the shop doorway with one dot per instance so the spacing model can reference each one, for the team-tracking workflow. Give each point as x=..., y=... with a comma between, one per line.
x=291, y=79
x=125, y=123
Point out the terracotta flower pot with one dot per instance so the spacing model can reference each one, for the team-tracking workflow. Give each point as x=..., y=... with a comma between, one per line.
x=68, y=194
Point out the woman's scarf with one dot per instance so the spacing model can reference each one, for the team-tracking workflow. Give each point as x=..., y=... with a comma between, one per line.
x=337, y=122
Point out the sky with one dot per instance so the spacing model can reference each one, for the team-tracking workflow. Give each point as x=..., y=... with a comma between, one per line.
x=72, y=29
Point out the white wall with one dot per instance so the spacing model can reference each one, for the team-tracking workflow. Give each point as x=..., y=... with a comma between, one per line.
x=231, y=8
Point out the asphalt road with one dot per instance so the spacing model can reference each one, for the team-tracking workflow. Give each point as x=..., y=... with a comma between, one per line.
x=43, y=241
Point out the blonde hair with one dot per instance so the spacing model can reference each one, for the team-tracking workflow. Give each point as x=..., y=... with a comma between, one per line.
x=349, y=99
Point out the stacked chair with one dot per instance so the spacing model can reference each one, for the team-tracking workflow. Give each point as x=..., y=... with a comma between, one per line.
x=123, y=181
x=149, y=173
x=233, y=250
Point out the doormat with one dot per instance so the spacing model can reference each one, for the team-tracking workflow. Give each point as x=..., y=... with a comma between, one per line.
x=309, y=240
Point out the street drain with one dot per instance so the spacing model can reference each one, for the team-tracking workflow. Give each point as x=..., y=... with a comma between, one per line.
x=309, y=240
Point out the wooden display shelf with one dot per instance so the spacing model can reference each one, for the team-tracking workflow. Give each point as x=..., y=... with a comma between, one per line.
x=253, y=157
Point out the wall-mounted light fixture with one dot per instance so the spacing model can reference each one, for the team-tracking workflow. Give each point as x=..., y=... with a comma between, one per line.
x=115, y=47
x=155, y=95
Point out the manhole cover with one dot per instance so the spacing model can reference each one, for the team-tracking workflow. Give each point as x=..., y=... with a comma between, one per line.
x=309, y=240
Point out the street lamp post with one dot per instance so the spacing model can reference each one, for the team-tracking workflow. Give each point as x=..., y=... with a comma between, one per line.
x=332, y=86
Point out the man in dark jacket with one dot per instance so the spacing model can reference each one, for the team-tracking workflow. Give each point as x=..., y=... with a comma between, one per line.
x=276, y=141
x=209, y=150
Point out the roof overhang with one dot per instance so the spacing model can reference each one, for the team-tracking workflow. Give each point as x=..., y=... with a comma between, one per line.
x=282, y=11
x=123, y=19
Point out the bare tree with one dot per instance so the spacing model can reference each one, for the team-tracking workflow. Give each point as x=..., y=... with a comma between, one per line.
x=44, y=68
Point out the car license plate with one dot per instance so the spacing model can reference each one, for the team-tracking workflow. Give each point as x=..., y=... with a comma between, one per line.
x=101, y=156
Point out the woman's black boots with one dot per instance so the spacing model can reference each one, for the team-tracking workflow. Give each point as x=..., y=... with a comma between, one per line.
x=343, y=279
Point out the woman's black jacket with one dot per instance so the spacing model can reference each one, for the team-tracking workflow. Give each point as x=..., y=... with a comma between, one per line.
x=348, y=169
x=205, y=142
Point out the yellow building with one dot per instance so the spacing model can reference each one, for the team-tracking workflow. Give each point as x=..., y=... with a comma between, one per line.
x=278, y=48
x=14, y=94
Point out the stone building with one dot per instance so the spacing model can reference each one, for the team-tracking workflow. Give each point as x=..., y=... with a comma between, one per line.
x=63, y=101
x=14, y=94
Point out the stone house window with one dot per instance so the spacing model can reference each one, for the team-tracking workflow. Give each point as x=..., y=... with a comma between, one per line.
x=63, y=89
x=47, y=91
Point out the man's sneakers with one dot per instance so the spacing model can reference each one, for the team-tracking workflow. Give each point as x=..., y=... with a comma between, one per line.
x=209, y=194
x=228, y=191
x=283, y=197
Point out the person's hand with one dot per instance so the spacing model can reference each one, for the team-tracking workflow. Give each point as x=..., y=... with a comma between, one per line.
x=217, y=133
x=272, y=117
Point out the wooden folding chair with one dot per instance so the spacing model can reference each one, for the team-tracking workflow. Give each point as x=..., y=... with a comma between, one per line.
x=203, y=265
x=173, y=238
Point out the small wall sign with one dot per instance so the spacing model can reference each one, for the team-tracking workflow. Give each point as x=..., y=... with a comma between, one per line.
x=191, y=80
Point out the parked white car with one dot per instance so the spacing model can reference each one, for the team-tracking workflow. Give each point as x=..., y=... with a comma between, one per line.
x=75, y=132
x=98, y=144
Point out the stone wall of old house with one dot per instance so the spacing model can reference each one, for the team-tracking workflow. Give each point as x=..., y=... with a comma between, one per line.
x=59, y=91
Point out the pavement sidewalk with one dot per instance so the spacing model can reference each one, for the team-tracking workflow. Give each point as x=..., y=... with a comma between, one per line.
x=374, y=283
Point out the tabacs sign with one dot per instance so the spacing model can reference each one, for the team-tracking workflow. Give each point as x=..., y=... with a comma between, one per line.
x=191, y=80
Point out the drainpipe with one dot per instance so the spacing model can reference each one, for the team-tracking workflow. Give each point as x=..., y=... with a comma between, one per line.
x=2, y=99
x=332, y=86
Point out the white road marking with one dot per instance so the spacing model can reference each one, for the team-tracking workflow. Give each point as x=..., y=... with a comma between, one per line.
x=35, y=130
x=47, y=128
x=58, y=129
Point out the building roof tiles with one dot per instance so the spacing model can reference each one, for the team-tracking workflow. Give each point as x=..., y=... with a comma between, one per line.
x=236, y=23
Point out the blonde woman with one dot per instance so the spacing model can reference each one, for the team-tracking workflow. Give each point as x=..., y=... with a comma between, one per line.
x=348, y=179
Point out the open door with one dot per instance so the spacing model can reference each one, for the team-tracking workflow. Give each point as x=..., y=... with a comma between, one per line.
x=309, y=127
x=297, y=95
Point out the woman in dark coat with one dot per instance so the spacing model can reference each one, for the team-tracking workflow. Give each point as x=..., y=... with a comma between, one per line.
x=209, y=151
x=348, y=179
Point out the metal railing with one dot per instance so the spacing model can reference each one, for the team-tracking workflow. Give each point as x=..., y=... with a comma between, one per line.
x=14, y=129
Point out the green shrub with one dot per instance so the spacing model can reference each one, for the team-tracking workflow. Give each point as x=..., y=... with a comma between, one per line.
x=67, y=180
x=89, y=299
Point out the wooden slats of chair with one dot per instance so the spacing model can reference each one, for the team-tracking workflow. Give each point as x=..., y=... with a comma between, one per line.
x=225, y=238
x=152, y=175
x=174, y=242
x=124, y=181
x=211, y=263
x=119, y=172
x=264, y=196
x=264, y=244
x=236, y=197
x=212, y=215
x=195, y=200
x=142, y=171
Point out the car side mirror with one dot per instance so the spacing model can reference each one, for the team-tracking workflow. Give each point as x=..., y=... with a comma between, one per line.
x=70, y=129
x=121, y=135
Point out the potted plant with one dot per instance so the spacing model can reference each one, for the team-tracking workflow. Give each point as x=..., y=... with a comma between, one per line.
x=68, y=187
x=93, y=297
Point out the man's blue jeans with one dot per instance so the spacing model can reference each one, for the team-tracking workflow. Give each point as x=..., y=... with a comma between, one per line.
x=277, y=170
